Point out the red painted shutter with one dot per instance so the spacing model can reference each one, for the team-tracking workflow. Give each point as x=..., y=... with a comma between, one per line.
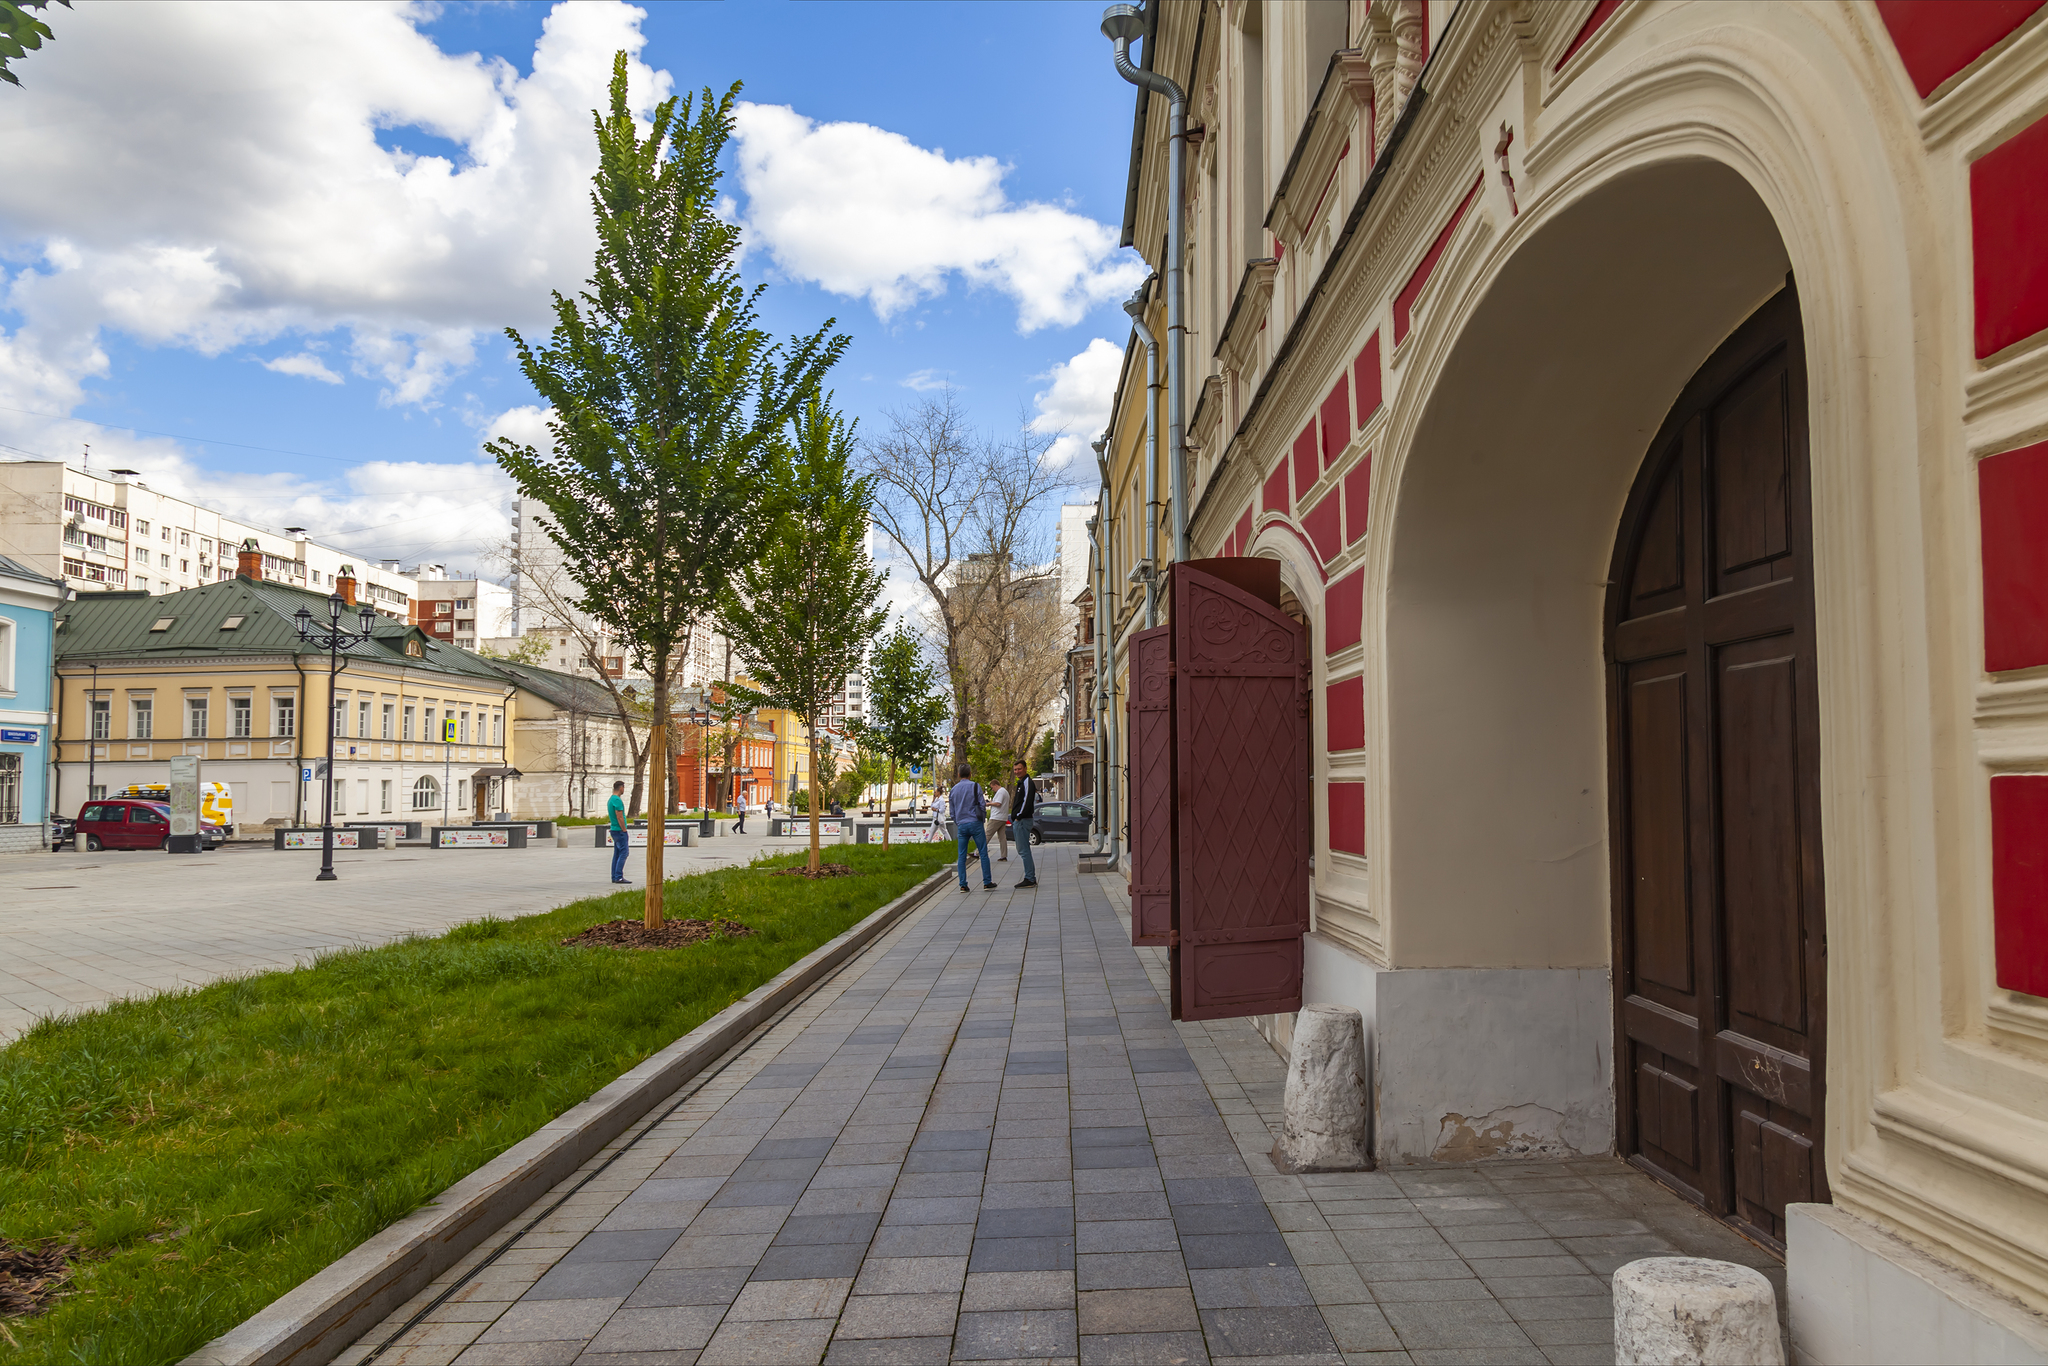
x=1241, y=721
x=1149, y=715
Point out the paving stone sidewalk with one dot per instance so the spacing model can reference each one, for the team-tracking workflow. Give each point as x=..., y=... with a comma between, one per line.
x=985, y=1141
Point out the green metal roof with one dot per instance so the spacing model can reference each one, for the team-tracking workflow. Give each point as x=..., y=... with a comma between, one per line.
x=195, y=626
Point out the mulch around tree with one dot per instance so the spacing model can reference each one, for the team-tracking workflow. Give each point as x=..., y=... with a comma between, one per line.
x=824, y=870
x=673, y=934
x=30, y=1277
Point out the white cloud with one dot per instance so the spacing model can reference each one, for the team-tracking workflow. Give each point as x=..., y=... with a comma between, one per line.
x=924, y=381
x=207, y=176
x=306, y=365
x=1075, y=405
x=867, y=213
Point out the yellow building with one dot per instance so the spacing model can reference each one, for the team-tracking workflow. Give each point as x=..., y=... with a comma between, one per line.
x=220, y=672
x=792, y=750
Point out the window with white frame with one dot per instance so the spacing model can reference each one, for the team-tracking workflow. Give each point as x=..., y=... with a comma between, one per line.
x=384, y=797
x=10, y=789
x=195, y=718
x=8, y=636
x=426, y=794
x=390, y=708
x=362, y=720
x=284, y=714
x=102, y=718
x=241, y=717
x=141, y=718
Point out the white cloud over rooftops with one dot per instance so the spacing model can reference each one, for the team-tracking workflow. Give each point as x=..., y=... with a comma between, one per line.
x=1075, y=405
x=867, y=213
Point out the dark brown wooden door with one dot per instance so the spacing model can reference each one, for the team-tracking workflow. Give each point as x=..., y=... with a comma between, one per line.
x=1148, y=715
x=1240, y=708
x=1714, y=757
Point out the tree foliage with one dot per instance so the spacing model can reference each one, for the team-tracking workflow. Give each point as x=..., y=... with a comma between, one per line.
x=906, y=704
x=669, y=402
x=802, y=612
x=21, y=32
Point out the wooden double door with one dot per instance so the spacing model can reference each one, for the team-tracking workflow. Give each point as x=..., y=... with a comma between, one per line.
x=1714, y=753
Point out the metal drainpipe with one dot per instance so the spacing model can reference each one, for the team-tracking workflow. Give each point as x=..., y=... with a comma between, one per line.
x=1105, y=725
x=1121, y=24
x=1135, y=306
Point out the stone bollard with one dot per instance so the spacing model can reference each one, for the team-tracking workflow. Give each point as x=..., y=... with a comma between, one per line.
x=1323, y=1126
x=1691, y=1311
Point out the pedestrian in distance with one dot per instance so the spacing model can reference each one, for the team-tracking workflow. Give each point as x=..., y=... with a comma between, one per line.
x=615, y=816
x=970, y=813
x=999, y=821
x=740, y=808
x=1024, y=806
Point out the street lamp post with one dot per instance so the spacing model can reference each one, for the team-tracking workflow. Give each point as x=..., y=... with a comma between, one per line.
x=333, y=638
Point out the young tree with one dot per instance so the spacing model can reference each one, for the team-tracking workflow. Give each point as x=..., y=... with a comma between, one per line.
x=803, y=611
x=904, y=700
x=668, y=403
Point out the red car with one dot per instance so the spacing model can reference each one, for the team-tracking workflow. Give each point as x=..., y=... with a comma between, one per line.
x=126, y=823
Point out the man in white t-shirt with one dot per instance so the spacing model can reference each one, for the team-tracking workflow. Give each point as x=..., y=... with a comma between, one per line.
x=999, y=821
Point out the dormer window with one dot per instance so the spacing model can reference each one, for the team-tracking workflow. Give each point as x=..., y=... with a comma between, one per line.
x=231, y=623
x=163, y=623
x=412, y=647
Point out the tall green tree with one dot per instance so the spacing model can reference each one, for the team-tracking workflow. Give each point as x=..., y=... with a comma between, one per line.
x=802, y=612
x=668, y=404
x=907, y=706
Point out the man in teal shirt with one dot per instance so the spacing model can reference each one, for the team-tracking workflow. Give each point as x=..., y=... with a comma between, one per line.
x=615, y=811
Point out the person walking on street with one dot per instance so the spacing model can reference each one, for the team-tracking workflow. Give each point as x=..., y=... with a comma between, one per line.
x=1023, y=806
x=615, y=814
x=969, y=814
x=740, y=807
x=999, y=821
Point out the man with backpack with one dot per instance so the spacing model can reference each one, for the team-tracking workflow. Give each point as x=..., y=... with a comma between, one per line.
x=970, y=813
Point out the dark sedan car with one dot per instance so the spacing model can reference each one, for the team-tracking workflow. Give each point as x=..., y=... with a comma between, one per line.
x=1058, y=821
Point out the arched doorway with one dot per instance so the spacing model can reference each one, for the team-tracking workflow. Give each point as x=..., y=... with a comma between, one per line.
x=1714, y=790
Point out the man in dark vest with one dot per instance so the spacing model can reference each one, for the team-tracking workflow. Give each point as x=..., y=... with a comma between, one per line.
x=1023, y=806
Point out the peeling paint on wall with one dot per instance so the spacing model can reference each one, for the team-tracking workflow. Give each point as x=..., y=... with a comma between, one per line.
x=1516, y=1131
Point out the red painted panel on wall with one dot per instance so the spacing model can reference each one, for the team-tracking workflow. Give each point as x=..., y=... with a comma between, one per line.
x=1347, y=818
x=1336, y=421
x=2019, y=881
x=1307, y=466
x=2012, y=498
x=1344, y=611
x=1602, y=12
x=1404, y=302
x=1938, y=38
x=1242, y=537
x=1323, y=523
x=1274, y=497
x=1346, y=702
x=1367, y=380
x=1357, y=499
x=2009, y=239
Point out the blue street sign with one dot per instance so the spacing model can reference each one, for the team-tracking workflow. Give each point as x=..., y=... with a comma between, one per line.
x=18, y=737
x=305, y=775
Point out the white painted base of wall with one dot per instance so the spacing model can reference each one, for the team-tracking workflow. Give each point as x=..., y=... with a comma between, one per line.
x=1473, y=1064
x=1858, y=1294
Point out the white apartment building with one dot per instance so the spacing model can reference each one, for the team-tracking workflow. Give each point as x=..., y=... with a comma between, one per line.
x=114, y=532
x=461, y=611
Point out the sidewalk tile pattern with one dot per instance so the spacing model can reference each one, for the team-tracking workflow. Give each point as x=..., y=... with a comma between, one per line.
x=986, y=1142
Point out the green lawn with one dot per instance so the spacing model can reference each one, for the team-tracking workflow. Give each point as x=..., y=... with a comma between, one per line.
x=215, y=1147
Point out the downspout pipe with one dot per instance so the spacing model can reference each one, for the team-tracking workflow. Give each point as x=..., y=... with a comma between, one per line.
x=1135, y=306
x=1105, y=723
x=1121, y=24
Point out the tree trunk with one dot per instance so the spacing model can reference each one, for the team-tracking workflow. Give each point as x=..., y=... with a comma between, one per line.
x=889, y=801
x=813, y=728
x=657, y=804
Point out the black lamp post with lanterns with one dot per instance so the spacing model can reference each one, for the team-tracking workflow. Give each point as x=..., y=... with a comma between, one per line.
x=333, y=638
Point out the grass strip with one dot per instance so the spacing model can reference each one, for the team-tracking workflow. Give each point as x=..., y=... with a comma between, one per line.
x=212, y=1148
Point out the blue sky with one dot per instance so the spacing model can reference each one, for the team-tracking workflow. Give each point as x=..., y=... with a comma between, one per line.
x=230, y=274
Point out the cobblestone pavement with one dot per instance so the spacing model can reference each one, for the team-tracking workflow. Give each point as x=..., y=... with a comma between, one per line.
x=984, y=1141
x=79, y=930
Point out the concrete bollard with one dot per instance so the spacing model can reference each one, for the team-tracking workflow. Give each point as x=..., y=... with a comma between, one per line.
x=1691, y=1311
x=1323, y=1124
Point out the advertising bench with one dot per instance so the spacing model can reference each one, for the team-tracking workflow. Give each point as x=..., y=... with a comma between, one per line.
x=479, y=837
